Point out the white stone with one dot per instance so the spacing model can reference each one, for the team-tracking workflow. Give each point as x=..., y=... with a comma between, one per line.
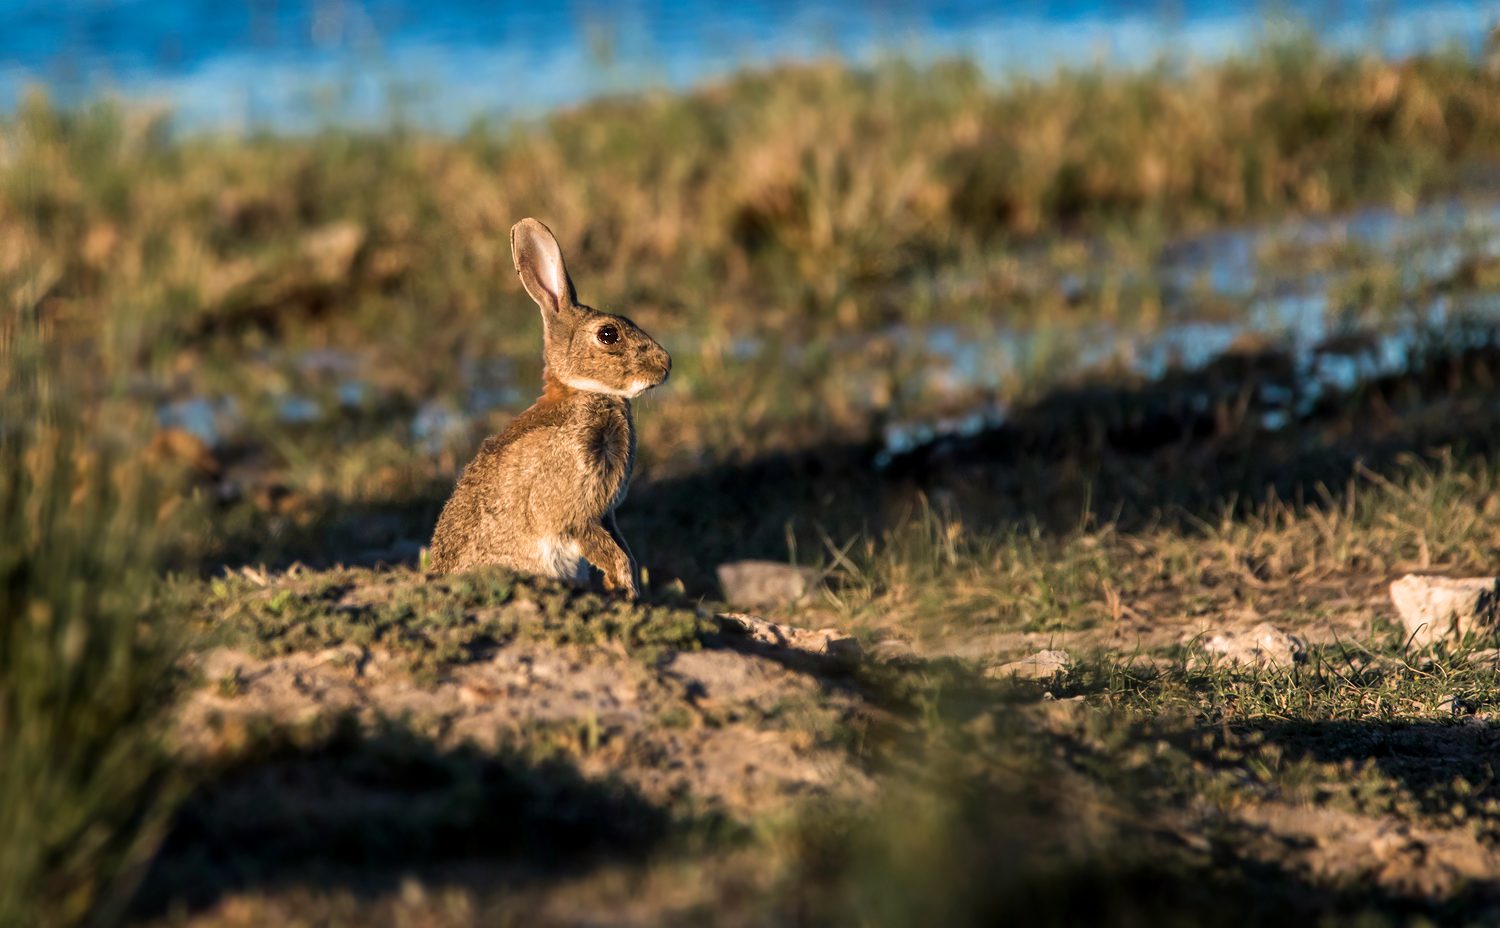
x=753, y=584
x=826, y=642
x=1263, y=645
x=1439, y=608
x=1039, y=666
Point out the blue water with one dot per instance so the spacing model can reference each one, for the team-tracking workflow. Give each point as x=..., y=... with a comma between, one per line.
x=293, y=64
x=1332, y=353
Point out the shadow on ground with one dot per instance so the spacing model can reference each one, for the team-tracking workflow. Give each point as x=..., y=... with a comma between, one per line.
x=1173, y=451
x=357, y=813
x=1425, y=757
x=361, y=810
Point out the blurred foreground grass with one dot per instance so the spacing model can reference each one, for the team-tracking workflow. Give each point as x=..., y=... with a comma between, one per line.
x=300, y=337
x=86, y=653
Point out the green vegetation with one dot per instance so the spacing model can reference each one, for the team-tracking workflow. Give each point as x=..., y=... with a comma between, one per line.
x=86, y=658
x=1434, y=515
x=216, y=354
x=433, y=622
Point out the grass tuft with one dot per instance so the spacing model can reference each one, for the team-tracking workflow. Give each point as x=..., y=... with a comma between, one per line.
x=86, y=663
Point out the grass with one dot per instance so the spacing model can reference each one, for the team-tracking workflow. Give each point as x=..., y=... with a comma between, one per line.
x=1439, y=514
x=430, y=623
x=86, y=663
x=652, y=768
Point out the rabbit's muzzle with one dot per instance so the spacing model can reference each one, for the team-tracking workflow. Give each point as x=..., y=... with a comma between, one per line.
x=652, y=368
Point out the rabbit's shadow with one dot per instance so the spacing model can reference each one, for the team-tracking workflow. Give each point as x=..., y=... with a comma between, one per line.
x=1135, y=455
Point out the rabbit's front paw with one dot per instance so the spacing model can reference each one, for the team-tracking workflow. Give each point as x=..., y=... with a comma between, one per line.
x=625, y=584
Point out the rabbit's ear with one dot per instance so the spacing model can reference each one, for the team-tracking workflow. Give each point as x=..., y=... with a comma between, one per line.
x=540, y=263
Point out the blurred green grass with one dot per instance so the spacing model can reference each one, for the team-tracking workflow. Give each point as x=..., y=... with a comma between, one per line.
x=86, y=654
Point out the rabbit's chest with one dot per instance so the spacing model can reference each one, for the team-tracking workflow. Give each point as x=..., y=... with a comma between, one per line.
x=610, y=454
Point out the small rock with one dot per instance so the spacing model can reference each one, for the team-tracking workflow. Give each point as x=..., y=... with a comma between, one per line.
x=752, y=584
x=1440, y=608
x=827, y=642
x=840, y=646
x=892, y=649
x=1487, y=656
x=1264, y=644
x=1038, y=666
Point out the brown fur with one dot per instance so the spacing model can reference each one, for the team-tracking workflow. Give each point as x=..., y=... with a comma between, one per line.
x=540, y=497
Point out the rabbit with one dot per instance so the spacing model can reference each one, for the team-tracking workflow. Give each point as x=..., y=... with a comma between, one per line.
x=540, y=497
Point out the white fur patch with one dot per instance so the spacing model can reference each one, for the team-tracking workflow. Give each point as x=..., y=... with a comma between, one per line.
x=636, y=388
x=562, y=559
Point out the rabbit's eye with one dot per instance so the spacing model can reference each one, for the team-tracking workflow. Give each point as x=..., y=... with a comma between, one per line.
x=607, y=334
